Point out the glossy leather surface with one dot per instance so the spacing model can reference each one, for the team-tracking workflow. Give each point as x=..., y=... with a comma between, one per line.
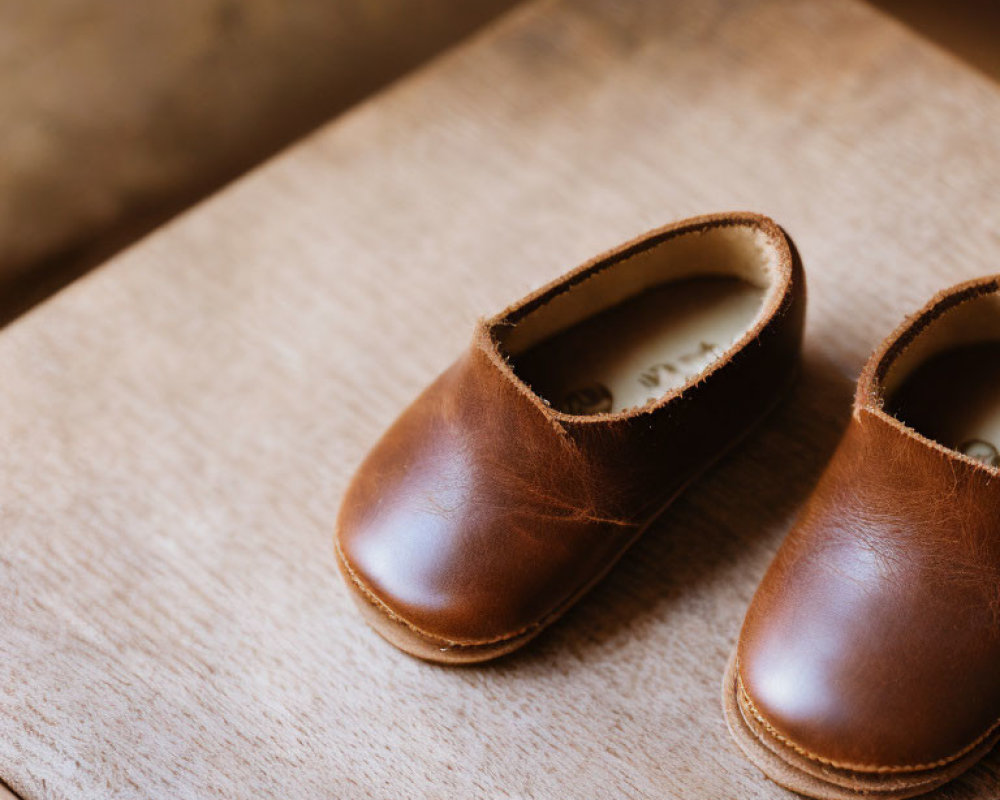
x=873, y=642
x=482, y=512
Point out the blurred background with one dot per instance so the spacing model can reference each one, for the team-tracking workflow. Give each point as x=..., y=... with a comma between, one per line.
x=115, y=116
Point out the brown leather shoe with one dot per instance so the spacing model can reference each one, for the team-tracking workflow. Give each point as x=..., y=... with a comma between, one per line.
x=519, y=477
x=869, y=661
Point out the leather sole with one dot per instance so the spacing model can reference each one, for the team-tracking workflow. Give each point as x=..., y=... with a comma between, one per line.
x=812, y=778
x=416, y=643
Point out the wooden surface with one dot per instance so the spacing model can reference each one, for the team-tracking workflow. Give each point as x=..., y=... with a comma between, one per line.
x=178, y=427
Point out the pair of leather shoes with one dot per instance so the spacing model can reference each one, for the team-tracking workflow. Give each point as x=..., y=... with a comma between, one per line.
x=868, y=661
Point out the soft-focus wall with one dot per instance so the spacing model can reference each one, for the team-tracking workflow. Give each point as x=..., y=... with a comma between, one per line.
x=113, y=115
x=969, y=28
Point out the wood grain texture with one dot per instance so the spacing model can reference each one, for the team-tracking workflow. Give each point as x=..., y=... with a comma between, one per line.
x=178, y=427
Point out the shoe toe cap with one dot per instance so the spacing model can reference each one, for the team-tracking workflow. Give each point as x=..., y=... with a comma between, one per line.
x=838, y=670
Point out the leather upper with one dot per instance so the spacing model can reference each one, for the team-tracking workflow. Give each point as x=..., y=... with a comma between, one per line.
x=873, y=642
x=482, y=511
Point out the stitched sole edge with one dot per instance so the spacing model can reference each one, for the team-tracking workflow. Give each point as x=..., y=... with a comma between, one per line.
x=787, y=768
x=402, y=636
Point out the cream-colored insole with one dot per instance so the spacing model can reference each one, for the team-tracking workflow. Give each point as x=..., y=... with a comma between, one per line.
x=642, y=348
x=954, y=399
